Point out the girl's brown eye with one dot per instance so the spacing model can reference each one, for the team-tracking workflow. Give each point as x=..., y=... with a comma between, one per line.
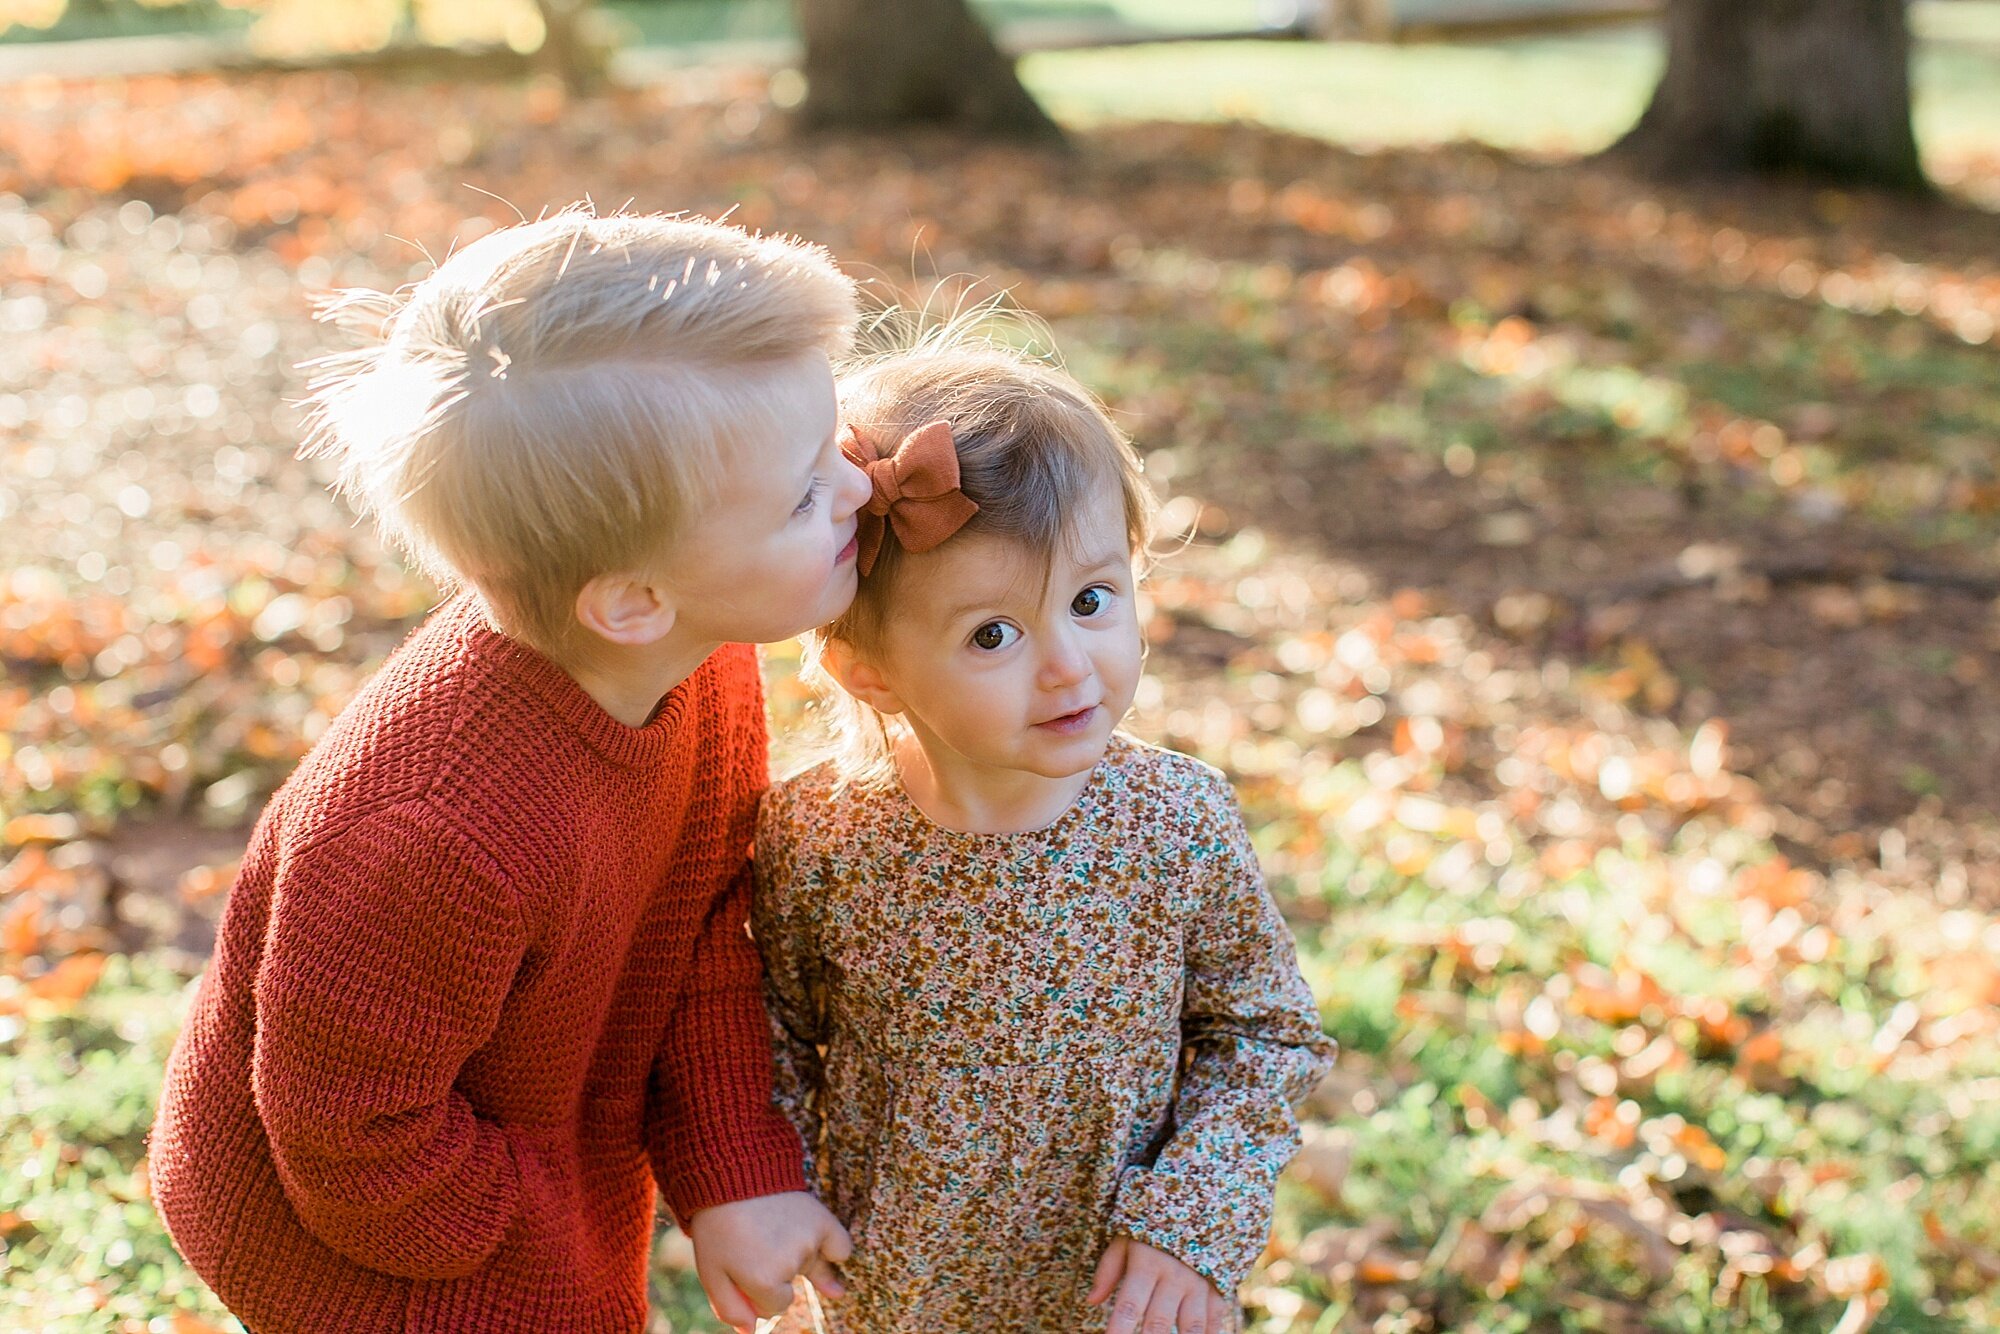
x=991, y=635
x=1087, y=603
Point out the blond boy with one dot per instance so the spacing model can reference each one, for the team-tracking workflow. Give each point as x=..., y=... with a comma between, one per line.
x=483, y=985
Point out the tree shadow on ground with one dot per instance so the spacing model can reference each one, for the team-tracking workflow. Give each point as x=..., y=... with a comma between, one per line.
x=1609, y=422
x=1745, y=433
x=1511, y=476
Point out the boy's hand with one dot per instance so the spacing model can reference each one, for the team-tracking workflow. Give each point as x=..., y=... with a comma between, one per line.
x=746, y=1254
x=1158, y=1294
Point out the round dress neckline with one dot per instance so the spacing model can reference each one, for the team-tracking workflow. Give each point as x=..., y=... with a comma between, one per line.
x=1086, y=796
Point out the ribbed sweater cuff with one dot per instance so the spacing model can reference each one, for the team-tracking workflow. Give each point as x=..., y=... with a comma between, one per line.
x=771, y=1163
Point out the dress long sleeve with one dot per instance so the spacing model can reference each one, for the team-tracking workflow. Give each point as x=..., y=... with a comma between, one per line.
x=1003, y=1050
x=1252, y=1048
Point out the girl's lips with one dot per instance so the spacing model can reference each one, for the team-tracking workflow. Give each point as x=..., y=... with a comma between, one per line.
x=1071, y=723
x=847, y=552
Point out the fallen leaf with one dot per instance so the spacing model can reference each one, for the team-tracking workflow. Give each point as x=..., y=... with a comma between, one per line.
x=69, y=981
x=1322, y=1161
x=194, y=1324
x=1356, y=1255
x=1850, y=1276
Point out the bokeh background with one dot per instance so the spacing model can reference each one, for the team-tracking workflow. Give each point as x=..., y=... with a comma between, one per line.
x=1589, y=572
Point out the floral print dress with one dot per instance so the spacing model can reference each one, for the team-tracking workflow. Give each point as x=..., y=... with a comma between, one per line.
x=1004, y=1050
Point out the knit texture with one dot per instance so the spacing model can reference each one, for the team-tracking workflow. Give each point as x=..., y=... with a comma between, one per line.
x=482, y=981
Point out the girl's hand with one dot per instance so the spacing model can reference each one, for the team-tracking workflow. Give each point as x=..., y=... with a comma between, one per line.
x=747, y=1253
x=1157, y=1294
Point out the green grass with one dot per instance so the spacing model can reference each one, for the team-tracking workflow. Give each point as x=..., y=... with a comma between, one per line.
x=110, y=18
x=740, y=20
x=81, y=1250
x=653, y=21
x=1559, y=94
x=1819, y=1147
x=1462, y=1104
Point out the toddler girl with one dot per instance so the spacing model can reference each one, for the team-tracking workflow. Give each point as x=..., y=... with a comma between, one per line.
x=1038, y=1021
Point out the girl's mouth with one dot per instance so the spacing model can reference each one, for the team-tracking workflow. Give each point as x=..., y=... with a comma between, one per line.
x=847, y=552
x=1069, y=724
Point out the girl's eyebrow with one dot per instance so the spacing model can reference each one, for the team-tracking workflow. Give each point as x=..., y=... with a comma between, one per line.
x=959, y=610
x=981, y=600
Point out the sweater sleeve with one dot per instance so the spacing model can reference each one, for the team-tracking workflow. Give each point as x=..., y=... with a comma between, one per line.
x=390, y=951
x=793, y=990
x=715, y=1136
x=1251, y=1048
x=712, y=1133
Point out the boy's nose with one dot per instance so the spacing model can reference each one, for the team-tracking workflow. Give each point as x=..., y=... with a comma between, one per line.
x=851, y=488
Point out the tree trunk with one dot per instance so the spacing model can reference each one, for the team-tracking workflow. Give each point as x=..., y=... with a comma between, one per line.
x=871, y=64
x=570, y=49
x=1814, y=86
x=1368, y=20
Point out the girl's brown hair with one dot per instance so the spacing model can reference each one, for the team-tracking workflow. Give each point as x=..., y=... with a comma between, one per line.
x=1031, y=442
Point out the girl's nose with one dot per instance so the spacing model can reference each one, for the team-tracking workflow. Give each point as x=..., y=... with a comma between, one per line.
x=851, y=489
x=1064, y=664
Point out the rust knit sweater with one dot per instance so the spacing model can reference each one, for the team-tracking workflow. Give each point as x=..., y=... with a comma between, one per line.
x=482, y=981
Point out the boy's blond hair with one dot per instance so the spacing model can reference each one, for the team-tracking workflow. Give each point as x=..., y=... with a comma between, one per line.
x=551, y=403
x=1032, y=442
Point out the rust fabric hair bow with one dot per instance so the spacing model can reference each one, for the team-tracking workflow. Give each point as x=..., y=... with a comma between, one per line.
x=916, y=491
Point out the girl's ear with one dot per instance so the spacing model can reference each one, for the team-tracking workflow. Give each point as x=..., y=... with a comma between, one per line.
x=859, y=677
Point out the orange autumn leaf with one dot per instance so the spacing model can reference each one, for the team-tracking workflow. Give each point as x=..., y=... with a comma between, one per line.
x=1480, y=1110
x=1717, y=1023
x=1409, y=859
x=1985, y=1261
x=194, y=1324
x=1387, y=1267
x=1518, y=1042
x=1849, y=1276
x=27, y=829
x=1420, y=649
x=1700, y=1148
x=24, y=870
x=69, y=981
x=1764, y=1049
x=203, y=882
x=1615, y=998
x=1777, y=883
x=21, y=932
x=1972, y=975
x=1560, y=861
x=1357, y=1255
x=1612, y=1120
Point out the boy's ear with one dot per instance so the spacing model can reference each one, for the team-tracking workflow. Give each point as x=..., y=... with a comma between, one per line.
x=859, y=677
x=625, y=609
